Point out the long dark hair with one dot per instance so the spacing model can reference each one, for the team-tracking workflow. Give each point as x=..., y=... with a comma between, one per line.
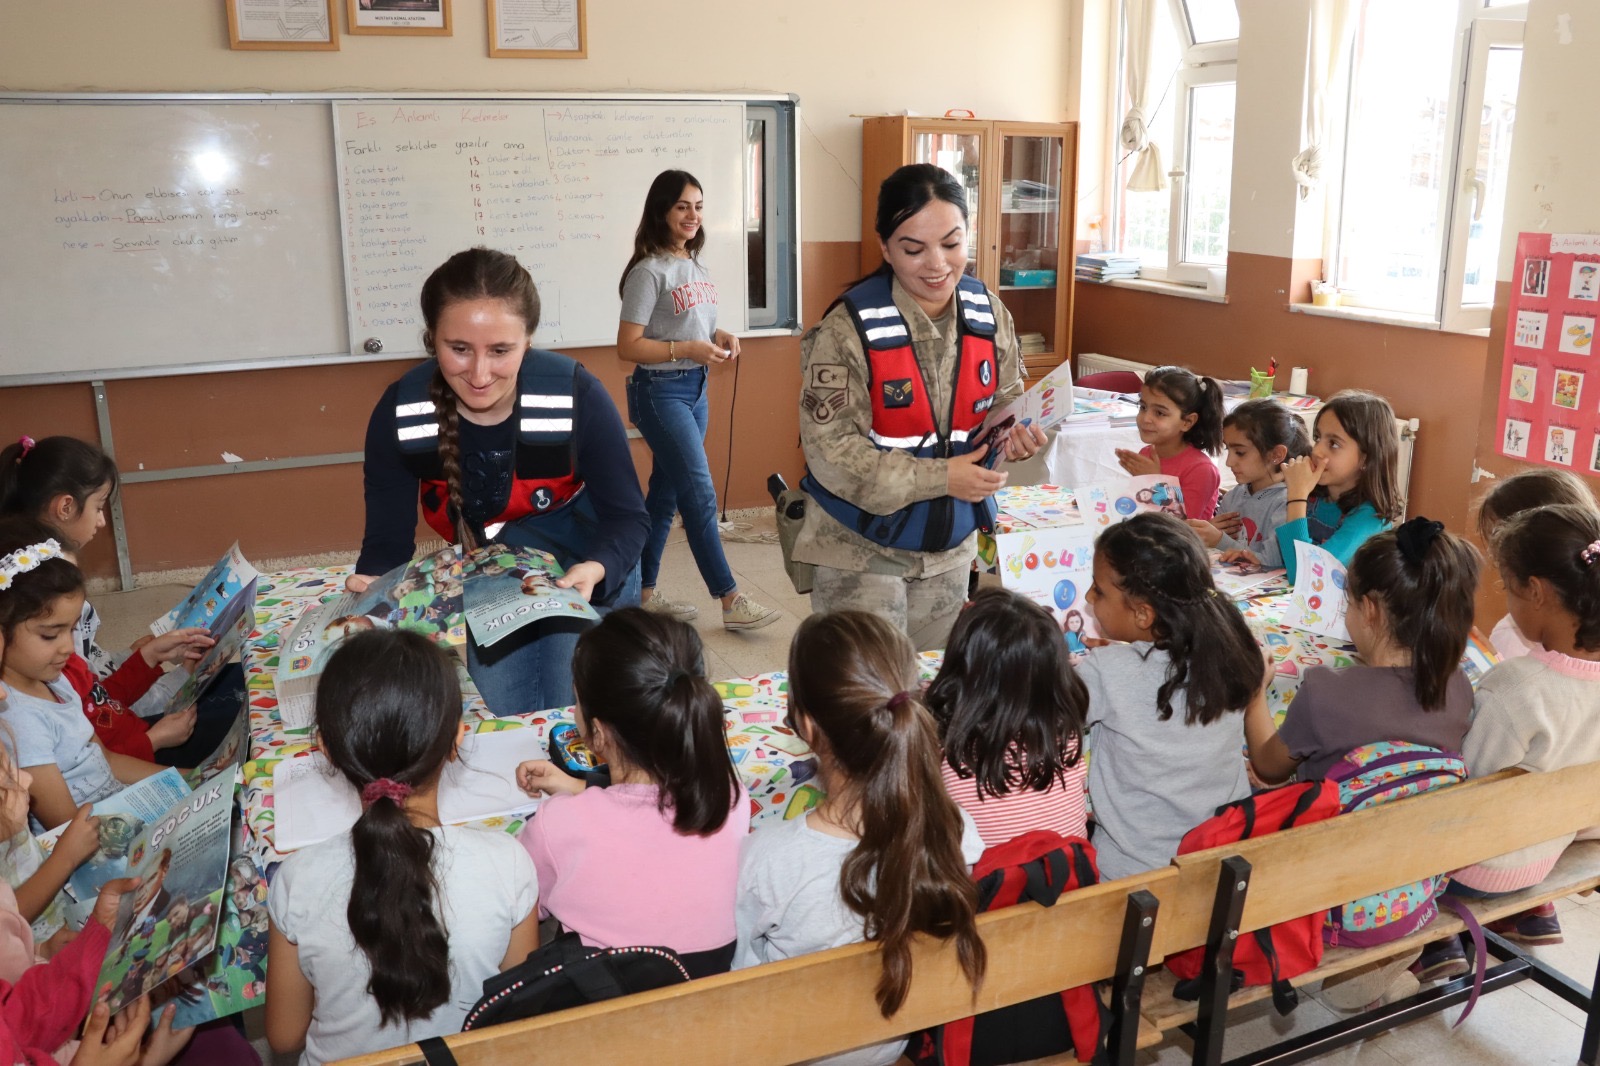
x=389, y=706
x=475, y=274
x=1425, y=579
x=854, y=677
x=1010, y=708
x=1369, y=421
x=1214, y=661
x=33, y=592
x=31, y=477
x=654, y=237
x=1556, y=543
x=1539, y=486
x=1266, y=424
x=1194, y=395
x=644, y=676
x=902, y=194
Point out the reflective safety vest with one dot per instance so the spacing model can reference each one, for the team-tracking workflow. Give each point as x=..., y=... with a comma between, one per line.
x=903, y=418
x=540, y=480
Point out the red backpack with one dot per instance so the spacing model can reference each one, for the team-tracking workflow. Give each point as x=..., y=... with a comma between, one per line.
x=1272, y=955
x=1037, y=866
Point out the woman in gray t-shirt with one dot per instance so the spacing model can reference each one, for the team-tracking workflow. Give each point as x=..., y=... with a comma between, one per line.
x=669, y=328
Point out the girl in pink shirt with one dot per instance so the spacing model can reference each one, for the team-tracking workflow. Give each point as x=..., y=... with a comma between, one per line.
x=1180, y=422
x=653, y=858
x=1010, y=711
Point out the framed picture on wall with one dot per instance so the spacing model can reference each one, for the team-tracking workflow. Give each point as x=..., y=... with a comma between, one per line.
x=537, y=29
x=400, y=18
x=283, y=25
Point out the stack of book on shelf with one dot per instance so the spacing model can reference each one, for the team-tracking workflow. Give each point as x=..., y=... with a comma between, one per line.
x=1105, y=266
x=1032, y=344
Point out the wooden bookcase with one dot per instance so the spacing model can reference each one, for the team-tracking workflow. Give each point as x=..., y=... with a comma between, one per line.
x=1020, y=182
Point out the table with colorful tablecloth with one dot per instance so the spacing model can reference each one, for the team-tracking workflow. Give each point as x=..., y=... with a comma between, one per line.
x=774, y=764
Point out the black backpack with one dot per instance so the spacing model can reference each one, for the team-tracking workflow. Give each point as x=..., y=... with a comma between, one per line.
x=563, y=973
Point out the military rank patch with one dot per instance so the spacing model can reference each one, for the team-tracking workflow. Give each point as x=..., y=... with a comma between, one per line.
x=898, y=393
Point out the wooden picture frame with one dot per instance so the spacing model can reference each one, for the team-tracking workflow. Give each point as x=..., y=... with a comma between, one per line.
x=253, y=30
x=398, y=18
x=547, y=40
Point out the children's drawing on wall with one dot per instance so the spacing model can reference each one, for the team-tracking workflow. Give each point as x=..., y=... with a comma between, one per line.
x=1535, y=277
x=1516, y=438
x=1530, y=329
x=1524, y=382
x=1594, y=456
x=1577, y=334
x=1558, y=445
x=1569, y=386
x=1585, y=283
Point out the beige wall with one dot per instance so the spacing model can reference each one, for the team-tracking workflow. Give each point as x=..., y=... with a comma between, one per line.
x=843, y=57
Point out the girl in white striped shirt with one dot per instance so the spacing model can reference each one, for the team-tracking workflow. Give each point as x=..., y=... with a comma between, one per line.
x=1010, y=711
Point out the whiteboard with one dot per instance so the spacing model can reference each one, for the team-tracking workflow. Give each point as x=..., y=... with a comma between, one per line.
x=560, y=185
x=167, y=234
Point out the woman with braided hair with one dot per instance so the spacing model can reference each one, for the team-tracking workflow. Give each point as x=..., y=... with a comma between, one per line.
x=504, y=442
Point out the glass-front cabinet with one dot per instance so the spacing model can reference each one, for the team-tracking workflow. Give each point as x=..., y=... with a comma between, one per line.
x=1018, y=179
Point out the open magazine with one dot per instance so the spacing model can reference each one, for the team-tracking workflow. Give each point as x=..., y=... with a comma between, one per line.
x=508, y=588
x=231, y=628
x=424, y=595
x=1246, y=580
x=233, y=977
x=208, y=599
x=1319, y=601
x=1045, y=403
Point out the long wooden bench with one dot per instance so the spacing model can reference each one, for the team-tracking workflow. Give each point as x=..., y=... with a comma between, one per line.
x=821, y=1004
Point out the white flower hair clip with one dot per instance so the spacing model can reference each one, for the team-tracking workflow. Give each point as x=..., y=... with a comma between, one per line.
x=24, y=559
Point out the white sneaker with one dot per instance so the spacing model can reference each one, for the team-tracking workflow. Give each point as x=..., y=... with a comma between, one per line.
x=659, y=603
x=746, y=613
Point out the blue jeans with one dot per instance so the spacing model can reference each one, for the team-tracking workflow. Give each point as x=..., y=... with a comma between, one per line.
x=670, y=409
x=531, y=670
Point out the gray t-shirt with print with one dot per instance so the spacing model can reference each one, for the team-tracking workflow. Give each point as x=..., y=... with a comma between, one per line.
x=674, y=300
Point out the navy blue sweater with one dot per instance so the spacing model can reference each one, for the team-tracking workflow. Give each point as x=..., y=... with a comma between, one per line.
x=600, y=456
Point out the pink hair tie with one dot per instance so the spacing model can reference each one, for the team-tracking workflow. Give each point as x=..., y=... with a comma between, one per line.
x=898, y=699
x=27, y=443
x=384, y=788
x=1589, y=554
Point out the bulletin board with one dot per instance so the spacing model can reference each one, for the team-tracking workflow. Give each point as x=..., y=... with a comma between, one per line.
x=1550, y=381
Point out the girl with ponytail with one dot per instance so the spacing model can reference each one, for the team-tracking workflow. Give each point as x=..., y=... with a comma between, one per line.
x=653, y=857
x=500, y=441
x=887, y=854
x=1411, y=592
x=384, y=934
x=1180, y=422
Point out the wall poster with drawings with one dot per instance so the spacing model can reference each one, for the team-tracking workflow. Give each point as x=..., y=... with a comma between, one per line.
x=1547, y=415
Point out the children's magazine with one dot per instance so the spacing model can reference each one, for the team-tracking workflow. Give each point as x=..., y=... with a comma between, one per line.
x=233, y=978
x=1246, y=580
x=231, y=628
x=424, y=595
x=170, y=921
x=1319, y=601
x=508, y=588
x=1117, y=501
x=226, y=578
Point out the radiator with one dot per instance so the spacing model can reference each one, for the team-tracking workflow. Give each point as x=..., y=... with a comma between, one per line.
x=1094, y=363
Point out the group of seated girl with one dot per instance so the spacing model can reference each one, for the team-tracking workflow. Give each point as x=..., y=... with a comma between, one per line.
x=385, y=933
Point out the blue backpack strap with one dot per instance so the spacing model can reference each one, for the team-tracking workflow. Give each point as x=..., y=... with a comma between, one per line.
x=545, y=387
x=416, y=422
x=977, y=312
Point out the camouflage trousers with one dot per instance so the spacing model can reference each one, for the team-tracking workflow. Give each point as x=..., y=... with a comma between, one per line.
x=925, y=608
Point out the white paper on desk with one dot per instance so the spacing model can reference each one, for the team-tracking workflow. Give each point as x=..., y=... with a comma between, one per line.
x=1319, y=601
x=313, y=801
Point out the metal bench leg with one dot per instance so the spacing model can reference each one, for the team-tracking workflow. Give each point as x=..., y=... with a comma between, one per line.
x=1127, y=988
x=1591, y=1031
x=1216, y=976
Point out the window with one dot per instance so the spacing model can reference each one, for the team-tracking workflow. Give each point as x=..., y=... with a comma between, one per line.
x=1416, y=218
x=771, y=227
x=1180, y=233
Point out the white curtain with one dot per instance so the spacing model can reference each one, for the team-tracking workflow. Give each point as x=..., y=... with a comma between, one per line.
x=1148, y=175
x=1332, y=24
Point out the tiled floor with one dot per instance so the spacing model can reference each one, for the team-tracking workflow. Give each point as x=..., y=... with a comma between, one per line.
x=1522, y=1025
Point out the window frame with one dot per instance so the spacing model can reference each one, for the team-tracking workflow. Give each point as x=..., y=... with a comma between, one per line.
x=1479, y=28
x=1203, y=64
